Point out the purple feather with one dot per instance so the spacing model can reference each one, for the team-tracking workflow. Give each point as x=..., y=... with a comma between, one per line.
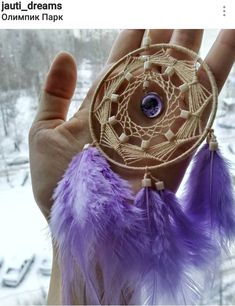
x=114, y=252
x=167, y=280
x=201, y=251
x=97, y=228
x=68, y=233
x=209, y=196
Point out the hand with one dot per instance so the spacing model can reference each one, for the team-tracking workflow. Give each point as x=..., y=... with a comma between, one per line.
x=53, y=141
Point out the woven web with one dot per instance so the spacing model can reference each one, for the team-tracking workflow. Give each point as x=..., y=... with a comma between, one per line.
x=165, y=133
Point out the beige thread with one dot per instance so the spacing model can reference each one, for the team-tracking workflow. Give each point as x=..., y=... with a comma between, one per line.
x=162, y=154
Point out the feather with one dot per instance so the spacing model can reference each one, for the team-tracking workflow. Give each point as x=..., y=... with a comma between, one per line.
x=167, y=280
x=97, y=229
x=201, y=250
x=209, y=195
x=68, y=233
x=117, y=252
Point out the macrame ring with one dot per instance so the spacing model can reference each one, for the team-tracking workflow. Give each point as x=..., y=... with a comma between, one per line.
x=130, y=145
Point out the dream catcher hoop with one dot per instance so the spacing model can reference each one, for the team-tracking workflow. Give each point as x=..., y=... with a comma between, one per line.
x=154, y=145
x=149, y=111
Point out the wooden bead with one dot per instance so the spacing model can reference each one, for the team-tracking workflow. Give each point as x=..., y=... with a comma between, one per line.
x=123, y=138
x=159, y=185
x=146, y=42
x=112, y=120
x=184, y=114
x=114, y=98
x=129, y=76
x=169, y=135
x=147, y=65
x=144, y=58
x=184, y=87
x=86, y=146
x=146, y=182
x=169, y=71
x=146, y=84
x=145, y=144
x=213, y=145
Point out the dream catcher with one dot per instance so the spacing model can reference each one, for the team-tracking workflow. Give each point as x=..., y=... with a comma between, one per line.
x=150, y=111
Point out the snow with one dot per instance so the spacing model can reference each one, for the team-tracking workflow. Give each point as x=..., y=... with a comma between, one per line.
x=23, y=231
x=20, y=218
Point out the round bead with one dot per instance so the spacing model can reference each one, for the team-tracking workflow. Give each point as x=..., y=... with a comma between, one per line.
x=151, y=105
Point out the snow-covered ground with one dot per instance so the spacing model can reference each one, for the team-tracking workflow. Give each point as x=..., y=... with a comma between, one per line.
x=23, y=231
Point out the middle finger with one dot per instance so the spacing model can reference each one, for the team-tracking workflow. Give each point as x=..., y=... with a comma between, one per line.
x=190, y=39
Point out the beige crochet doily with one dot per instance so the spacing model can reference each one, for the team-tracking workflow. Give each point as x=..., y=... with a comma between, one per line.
x=125, y=136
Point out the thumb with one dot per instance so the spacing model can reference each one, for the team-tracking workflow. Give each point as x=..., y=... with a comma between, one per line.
x=58, y=88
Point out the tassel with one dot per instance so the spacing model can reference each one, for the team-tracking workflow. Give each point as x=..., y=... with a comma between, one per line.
x=167, y=281
x=97, y=229
x=209, y=197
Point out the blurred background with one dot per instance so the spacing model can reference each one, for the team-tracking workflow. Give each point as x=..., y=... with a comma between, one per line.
x=25, y=247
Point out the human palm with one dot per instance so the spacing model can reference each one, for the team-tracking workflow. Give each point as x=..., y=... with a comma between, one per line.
x=54, y=141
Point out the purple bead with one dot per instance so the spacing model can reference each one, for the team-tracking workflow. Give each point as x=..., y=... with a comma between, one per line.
x=151, y=105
